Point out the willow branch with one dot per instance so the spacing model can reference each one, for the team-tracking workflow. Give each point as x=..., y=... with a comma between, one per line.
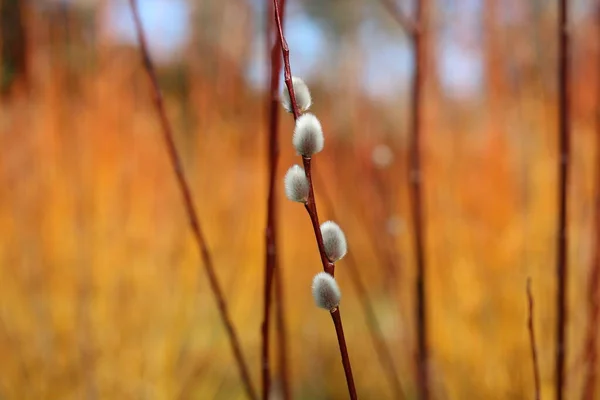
x=563, y=184
x=416, y=196
x=194, y=222
x=593, y=291
x=311, y=207
x=271, y=259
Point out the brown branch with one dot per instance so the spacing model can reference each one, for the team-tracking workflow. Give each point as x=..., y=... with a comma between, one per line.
x=416, y=195
x=286, y=386
x=531, y=328
x=593, y=292
x=189, y=205
x=563, y=184
x=271, y=259
x=311, y=207
x=339, y=330
x=416, y=32
x=384, y=353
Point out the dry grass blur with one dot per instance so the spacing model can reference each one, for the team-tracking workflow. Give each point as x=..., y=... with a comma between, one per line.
x=101, y=293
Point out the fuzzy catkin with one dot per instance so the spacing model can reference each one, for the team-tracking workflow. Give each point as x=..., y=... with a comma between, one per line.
x=326, y=291
x=308, y=136
x=296, y=184
x=334, y=241
x=301, y=93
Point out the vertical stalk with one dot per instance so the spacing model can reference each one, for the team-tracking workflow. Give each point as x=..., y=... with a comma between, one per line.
x=563, y=180
x=271, y=256
x=190, y=209
x=311, y=206
x=339, y=330
x=416, y=195
x=593, y=291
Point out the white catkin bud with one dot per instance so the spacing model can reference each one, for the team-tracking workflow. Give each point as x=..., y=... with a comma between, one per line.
x=334, y=241
x=302, y=94
x=326, y=291
x=296, y=184
x=308, y=135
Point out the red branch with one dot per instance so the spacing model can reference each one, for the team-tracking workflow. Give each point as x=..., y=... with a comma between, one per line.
x=339, y=330
x=311, y=207
x=415, y=29
x=531, y=328
x=271, y=259
x=563, y=184
x=591, y=345
x=416, y=195
x=189, y=205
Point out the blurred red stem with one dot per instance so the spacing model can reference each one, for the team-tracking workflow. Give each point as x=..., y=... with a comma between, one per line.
x=271, y=258
x=563, y=172
x=189, y=205
x=416, y=196
x=311, y=205
x=591, y=345
x=531, y=328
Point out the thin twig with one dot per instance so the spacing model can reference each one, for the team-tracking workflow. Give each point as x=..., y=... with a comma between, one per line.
x=384, y=353
x=563, y=184
x=593, y=293
x=339, y=330
x=189, y=205
x=286, y=385
x=271, y=260
x=311, y=208
x=416, y=196
x=531, y=328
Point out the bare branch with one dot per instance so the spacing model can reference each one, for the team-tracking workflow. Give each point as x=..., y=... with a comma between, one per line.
x=272, y=272
x=311, y=208
x=563, y=184
x=189, y=205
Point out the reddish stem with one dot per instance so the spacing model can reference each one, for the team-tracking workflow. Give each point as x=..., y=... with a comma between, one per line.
x=591, y=345
x=271, y=259
x=416, y=196
x=563, y=172
x=531, y=328
x=189, y=205
x=311, y=206
x=339, y=330
x=282, y=338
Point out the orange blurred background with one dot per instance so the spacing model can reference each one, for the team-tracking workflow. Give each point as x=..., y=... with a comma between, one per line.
x=102, y=293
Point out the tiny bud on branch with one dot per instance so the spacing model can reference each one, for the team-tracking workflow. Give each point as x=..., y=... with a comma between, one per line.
x=302, y=94
x=308, y=135
x=326, y=291
x=296, y=184
x=334, y=241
